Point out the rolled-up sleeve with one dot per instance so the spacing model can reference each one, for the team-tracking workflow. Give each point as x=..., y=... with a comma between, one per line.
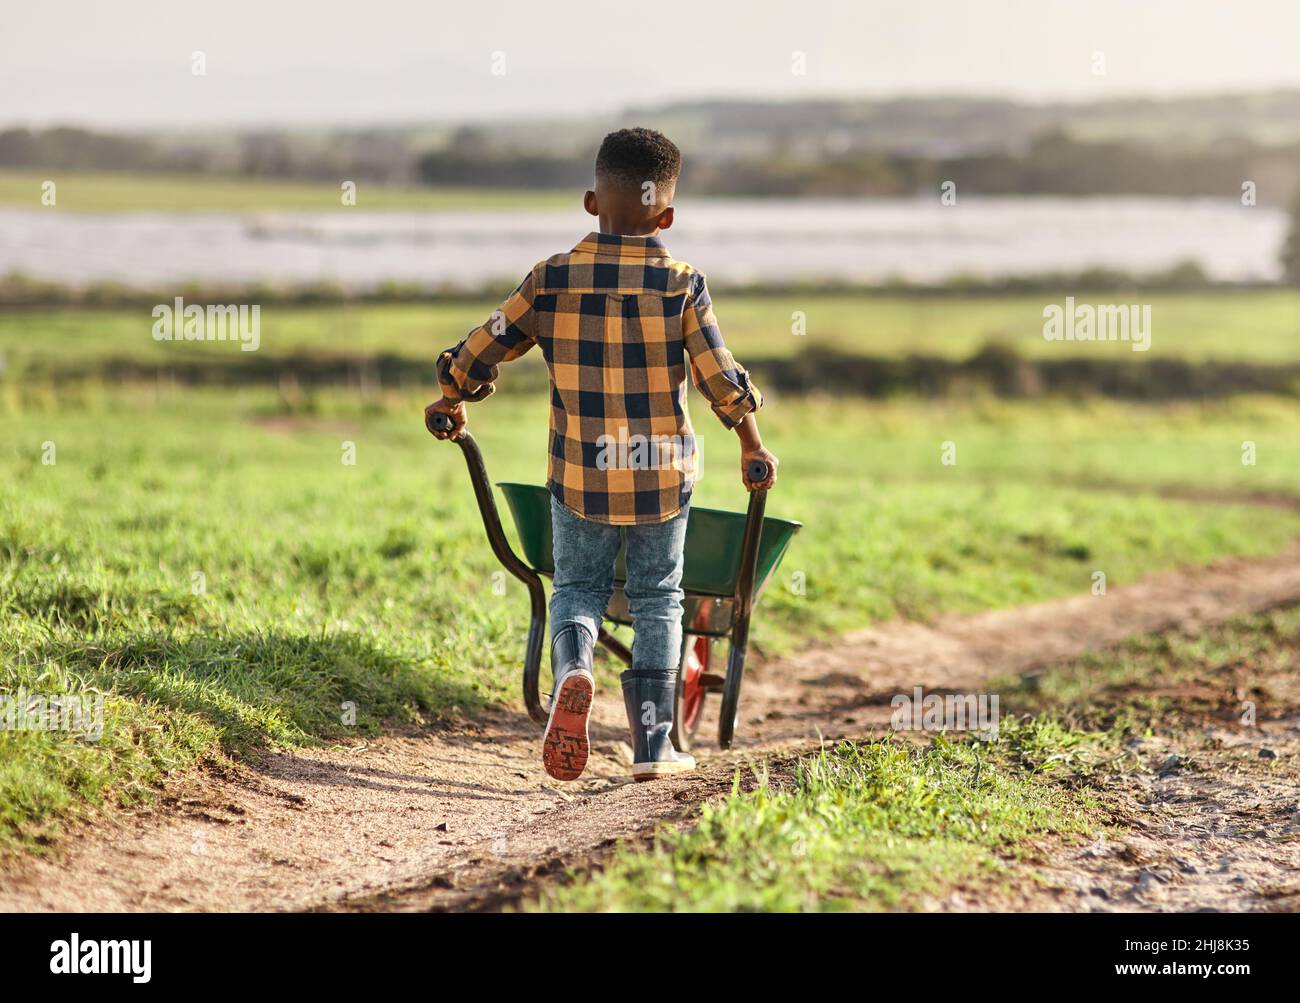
x=468, y=371
x=717, y=375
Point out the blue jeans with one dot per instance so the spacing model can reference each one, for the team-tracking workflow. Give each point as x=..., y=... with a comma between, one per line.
x=585, y=553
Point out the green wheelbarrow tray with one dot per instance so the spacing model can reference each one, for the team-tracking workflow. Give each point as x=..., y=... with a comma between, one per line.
x=729, y=557
x=714, y=544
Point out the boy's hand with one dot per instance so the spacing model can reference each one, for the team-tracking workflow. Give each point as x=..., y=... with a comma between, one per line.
x=748, y=456
x=455, y=410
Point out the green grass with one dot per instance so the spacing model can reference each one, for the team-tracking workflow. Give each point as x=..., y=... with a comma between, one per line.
x=1254, y=326
x=91, y=191
x=881, y=825
x=1174, y=680
x=371, y=584
x=1251, y=325
x=1091, y=444
x=37, y=339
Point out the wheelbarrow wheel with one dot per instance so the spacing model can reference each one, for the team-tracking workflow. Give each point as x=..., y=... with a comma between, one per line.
x=689, y=709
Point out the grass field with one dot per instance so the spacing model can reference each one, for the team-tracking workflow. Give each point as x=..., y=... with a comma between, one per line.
x=209, y=561
x=1256, y=325
x=1252, y=326
x=88, y=191
x=1148, y=682
x=287, y=558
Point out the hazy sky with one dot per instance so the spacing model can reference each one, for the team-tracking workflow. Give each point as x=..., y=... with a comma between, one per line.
x=324, y=61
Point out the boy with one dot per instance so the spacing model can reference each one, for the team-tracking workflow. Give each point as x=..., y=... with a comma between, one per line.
x=617, y=320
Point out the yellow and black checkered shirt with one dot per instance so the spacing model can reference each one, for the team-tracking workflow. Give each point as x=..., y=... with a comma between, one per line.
x=617, y=320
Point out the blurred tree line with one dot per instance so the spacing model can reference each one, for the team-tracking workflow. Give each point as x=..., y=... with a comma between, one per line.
x=1051, y=164
x=66, y=148
x=381, y=155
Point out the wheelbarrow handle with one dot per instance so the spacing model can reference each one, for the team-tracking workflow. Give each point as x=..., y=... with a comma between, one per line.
x=757, y=471
x=439, y=422
x=511, y=561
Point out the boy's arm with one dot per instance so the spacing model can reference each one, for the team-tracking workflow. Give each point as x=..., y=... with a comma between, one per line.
x=722, y=381
x=468, y=371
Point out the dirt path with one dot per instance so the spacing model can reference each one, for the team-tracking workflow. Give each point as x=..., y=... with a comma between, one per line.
x=462, y=816
x=1210, y=822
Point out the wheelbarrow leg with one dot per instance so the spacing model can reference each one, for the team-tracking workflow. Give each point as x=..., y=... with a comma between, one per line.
x=533, y=652
x=740, y=623
x=511, y=562
x=735, y=676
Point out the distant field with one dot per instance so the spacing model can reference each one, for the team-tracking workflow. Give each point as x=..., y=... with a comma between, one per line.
x=107, y=192
x=1255, y=326
x=1249, y=325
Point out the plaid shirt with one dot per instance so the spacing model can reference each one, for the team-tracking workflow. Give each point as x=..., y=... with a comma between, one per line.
x=617, y=320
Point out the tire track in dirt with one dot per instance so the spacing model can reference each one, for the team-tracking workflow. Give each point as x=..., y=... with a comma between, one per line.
x=462, y=815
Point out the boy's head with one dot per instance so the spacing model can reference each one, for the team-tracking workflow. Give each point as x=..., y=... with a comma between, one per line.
x=636, y=178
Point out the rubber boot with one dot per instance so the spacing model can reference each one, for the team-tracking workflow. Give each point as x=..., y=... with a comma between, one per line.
x=648, y=697
x=565, y=748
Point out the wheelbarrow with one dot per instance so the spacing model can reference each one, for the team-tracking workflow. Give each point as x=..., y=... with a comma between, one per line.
x=729, y=559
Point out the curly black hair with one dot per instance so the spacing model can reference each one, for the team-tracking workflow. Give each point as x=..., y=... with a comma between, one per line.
x=632, y=157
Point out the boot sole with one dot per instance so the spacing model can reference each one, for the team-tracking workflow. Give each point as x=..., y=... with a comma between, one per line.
x=565, y=748
x=656, y=771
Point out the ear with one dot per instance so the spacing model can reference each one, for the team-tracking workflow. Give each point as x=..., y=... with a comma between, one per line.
x=666, y=218
x=589, y=203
